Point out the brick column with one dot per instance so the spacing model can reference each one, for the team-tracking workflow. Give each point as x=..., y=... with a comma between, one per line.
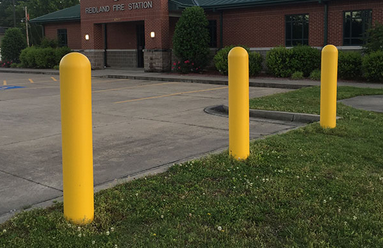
x=157, y=55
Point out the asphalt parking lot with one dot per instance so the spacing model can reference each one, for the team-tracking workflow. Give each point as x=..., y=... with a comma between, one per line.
x=138, y=127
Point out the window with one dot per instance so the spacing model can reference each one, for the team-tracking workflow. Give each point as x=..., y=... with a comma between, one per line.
x=297, y=30
x=212, y=33
x=355, y=25
x=62, y=37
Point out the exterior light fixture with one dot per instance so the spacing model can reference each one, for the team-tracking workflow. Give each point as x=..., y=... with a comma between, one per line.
x=87, y=37
x=152, y=34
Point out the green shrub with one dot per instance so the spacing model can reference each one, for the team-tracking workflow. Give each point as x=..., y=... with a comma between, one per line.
x=60, y=53
x=56, y=67
x=49, y=43
x=374, y=39
x=44, y=58
x=298, y=75
x=282, y=62
x=315, y=75
x=305, y=59
x=350, y=65
x=12, y=44
x=278, y=62
x=14, y=65
x=27, y=57
x=221, y=60
x=372, y=66
x=191, y=37
x=255, y=63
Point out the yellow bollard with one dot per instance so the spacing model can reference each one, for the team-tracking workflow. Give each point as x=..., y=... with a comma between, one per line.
x=77, y=146
x=329, y=77
x=239, y=131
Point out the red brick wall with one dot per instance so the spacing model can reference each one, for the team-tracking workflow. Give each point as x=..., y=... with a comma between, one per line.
x=336, y=9
x=156, y=20
x=73, y=32
x=122, y=35
x=253, y=27
x=265, y=26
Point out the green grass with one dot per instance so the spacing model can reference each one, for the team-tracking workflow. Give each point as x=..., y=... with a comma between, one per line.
x=311, y=187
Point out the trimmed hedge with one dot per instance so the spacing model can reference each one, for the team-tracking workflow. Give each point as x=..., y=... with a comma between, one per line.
x=255, y=63
x=221, y=60
x=43, y=58
x=305, y=59
x=349, y=65
x=283, y=62
x=373, y=67
x=278, y=62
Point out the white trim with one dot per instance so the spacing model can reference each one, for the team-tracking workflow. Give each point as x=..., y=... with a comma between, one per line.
x=121, y=50
x=338, y=47
x=92, y=50
x=350, y=47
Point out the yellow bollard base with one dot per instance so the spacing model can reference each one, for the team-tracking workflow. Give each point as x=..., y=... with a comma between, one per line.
x=81, y=222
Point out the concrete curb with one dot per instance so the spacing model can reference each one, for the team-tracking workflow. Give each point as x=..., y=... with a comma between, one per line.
x=267, y=114
x=252, y=83
x=28, y=71
x=208, y=81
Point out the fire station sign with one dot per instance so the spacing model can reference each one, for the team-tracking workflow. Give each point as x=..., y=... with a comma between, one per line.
x=119, y=7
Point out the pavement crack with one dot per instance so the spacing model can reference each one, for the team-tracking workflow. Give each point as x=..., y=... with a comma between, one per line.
x=44, y=137
x=181, y=123
x=29, y=180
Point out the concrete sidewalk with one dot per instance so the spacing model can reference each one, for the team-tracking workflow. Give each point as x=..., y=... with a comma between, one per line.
x=139, y=74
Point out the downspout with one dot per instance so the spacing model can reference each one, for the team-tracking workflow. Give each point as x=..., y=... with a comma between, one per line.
x=105, y=45
x=325, y=23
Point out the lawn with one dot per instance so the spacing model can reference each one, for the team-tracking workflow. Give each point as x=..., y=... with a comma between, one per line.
x=310, y=187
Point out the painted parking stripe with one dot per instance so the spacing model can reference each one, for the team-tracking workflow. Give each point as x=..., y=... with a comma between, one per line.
x=132, y=87
x=5, y=83
x=30, y=80
x=174, y=94
x=54, y=79
x=10, y=87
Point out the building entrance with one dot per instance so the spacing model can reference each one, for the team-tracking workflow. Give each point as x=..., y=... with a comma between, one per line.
x=140, y=44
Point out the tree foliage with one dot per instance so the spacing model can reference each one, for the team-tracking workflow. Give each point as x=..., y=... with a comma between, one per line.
x=12, y=45
x=191, y=37
x=36, y=8
x=375, y=39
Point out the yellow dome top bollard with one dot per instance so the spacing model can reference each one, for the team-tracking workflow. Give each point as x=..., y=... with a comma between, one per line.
x=329, y=77
x=77, y=145
x=239, y=131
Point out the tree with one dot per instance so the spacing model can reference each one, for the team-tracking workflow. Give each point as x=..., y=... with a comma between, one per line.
x=191, y=38
x=12, y=45
x=38, y=8
x=375, y=39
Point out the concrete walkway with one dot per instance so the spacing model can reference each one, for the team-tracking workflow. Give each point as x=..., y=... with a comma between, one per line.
x=139, y=74
x=370, y=103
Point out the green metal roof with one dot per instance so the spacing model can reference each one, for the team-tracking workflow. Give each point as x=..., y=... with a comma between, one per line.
x=226, y=4
x=69, y=14
x=74, y=13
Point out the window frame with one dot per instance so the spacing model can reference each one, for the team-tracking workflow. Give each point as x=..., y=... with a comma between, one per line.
x=289, y=42
x=60, y=32
x=365, y=13
x=212, y=27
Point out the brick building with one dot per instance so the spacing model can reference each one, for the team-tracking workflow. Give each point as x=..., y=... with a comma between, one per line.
x=138, y=33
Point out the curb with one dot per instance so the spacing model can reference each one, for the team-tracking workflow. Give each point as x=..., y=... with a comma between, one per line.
x=209, y=81
x=170, y=79
x=267, y=114
x=30, y=72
